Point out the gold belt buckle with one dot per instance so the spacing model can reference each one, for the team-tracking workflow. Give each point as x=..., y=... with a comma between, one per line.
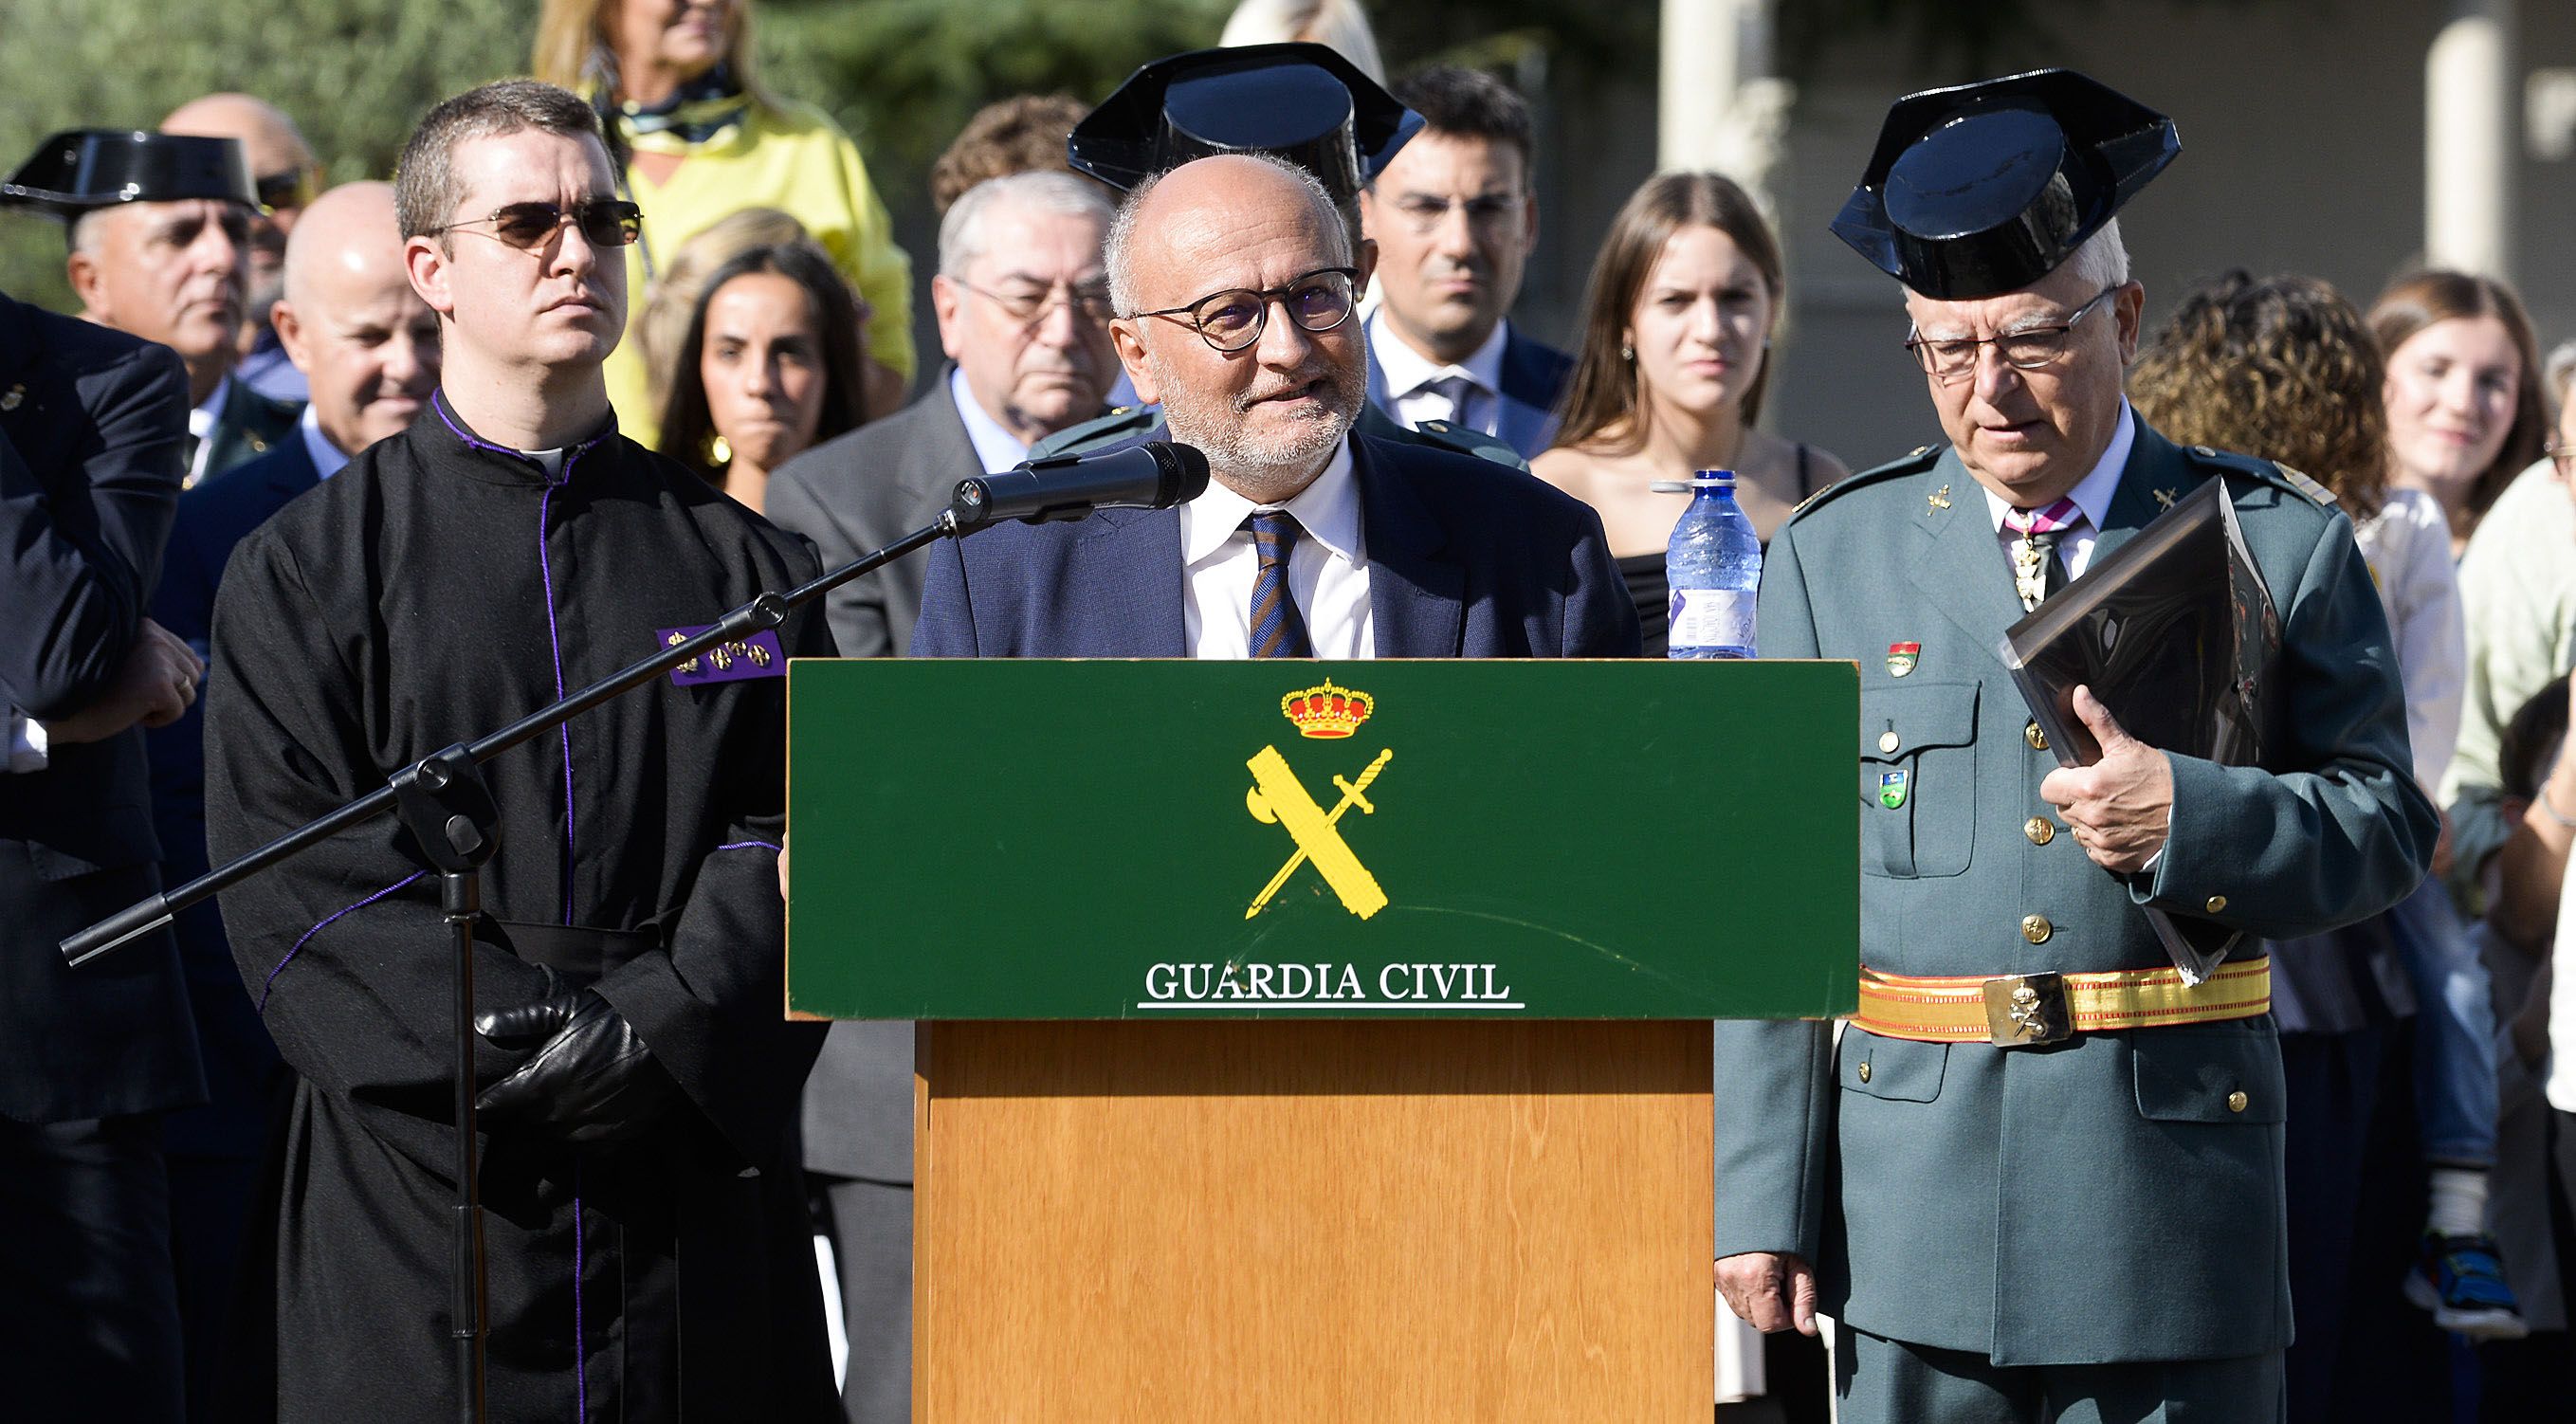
x=2027, y=1009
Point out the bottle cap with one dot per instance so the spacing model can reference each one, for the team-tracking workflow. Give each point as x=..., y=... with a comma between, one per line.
x=1720, y=478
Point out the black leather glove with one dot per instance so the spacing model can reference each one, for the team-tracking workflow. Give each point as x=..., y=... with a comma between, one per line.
x=591, y=1080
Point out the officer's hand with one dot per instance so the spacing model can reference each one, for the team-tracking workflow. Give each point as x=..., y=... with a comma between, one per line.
x=782, y=865
x=1772, y=1292
x=153, y=688
x=2121, y=807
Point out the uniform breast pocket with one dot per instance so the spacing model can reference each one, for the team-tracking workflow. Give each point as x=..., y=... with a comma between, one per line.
x=1918, y=779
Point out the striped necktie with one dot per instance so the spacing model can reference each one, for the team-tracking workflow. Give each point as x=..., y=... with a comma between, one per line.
x=1278, y=630
x=2037, y=572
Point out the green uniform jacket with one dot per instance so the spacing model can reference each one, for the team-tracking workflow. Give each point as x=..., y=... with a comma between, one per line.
x=2102, y=1199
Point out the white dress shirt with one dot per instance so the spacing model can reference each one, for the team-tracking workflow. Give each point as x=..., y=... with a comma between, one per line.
x=201, y=429
x=2092, y=494
x=1327, y=568
x=995, y=448
x=1413, y=380
x=326, y=457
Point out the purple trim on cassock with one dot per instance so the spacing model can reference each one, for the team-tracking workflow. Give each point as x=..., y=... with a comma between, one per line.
x=580, y=1342
x=545, y=567
x=746, y=845
x=266, y=984
x=756, y=656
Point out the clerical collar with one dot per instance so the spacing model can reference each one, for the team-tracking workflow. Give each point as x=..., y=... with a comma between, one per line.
x=2093, y=493
x=553, y=466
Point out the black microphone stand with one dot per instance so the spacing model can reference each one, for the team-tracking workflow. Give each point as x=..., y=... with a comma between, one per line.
x=443, y=802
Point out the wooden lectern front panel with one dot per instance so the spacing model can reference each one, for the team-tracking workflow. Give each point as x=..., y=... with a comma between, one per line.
x=1313, y=1221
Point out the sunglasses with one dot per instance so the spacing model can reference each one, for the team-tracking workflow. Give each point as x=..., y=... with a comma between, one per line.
x=604, y=222
x=290, y=189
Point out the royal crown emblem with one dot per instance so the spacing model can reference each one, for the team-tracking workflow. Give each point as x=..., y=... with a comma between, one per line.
x=1326, y=711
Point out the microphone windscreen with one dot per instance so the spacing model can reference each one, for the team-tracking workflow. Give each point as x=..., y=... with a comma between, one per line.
x=1185, y=472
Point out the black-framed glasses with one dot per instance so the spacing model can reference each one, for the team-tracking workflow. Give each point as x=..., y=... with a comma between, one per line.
x=1951, y=360
x=2562, y=457
x=604, y=222
x=290, y=189
x=1029, y=305
x=1232, y=319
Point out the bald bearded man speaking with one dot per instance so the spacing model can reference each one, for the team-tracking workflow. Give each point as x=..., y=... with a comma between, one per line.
x=1236, y=287
x=368, y=348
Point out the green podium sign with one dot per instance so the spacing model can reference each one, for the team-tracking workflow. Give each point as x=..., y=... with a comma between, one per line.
x=1175, y=839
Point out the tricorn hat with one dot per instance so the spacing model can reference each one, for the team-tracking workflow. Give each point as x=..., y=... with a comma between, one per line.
x=1985, y=188
x=1301, y=102
x=80, y=169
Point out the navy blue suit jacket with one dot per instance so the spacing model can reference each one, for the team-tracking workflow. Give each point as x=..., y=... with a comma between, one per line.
x=1533, y=381
x=1465, y=560
x=240, y=1060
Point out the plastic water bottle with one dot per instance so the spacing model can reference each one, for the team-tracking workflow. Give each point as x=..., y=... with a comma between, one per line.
x=1714, y=565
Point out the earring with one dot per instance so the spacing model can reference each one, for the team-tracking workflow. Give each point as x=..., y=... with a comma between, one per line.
x=1627, y=352
x=719, y=450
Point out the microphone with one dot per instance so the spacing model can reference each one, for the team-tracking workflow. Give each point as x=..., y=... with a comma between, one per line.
x=1154, y=475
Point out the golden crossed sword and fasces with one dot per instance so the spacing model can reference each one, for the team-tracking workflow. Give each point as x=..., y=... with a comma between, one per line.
x=1278, y=796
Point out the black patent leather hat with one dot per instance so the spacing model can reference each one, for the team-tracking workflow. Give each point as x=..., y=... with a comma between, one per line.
x=1301, y=102
x=80, y=169
x=1986, y=188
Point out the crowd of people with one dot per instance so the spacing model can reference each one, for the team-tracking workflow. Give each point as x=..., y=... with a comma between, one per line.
x=370, y=465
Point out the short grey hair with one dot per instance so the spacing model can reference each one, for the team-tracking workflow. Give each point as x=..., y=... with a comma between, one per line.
x=2103, y=260
x=1055, y=194
x=1120, y=258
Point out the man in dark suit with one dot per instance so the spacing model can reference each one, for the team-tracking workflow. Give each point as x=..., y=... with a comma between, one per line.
x=1237, y=283
x=90, y=428
x=1023, y=311
x=1454, y=220
x=366, y=346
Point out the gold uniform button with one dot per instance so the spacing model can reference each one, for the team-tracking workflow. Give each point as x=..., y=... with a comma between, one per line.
x=2038, y=739
x=1864, y=1074
x=2036, y=928
x=2040, y=829
x=2217, y=903
x=2237, y=1100
x=1887, y=741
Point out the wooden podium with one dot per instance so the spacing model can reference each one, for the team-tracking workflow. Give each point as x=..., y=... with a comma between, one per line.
x=1449, y=1159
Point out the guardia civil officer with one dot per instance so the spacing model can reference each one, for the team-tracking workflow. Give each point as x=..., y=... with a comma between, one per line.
x=1300, y=102
x=2010, y=1223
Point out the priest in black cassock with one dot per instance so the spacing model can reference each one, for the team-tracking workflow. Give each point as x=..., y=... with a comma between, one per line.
x=649, y=1253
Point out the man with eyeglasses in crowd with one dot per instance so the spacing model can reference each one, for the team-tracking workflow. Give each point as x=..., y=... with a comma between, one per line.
x=1023, y=312
x=286, y=179
x=2039, y=1177
x=1454, y=221
x=1236, y=284
x=647, y=1237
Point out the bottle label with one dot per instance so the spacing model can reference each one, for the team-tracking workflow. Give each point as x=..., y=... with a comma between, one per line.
x=1712, y=618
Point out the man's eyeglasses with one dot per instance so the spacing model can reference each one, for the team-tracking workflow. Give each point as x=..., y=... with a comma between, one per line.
x=1232, y=320
x=2563, y=457
x=604, y=222
x=1029, y=305
x=1951, y=360
x=290, y=189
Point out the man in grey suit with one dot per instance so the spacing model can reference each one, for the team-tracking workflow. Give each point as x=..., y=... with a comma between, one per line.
x=2040, y=1176
x=1023, y=307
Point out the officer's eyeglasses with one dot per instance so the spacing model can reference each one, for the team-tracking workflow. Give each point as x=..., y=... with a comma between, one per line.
x=1029, y=305
x=1232, y=320
x=1954, y=359
x=604, y=222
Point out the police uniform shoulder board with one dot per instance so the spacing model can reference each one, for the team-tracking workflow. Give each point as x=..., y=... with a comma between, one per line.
x=1464, y=440
x=1922, y=457
x=1124, y=423
x=2270, y=472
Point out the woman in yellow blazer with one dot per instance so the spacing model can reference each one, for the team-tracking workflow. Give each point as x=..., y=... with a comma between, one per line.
x=674, y=76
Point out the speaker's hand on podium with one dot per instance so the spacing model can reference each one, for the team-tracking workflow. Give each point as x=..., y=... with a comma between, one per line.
x=1773, y=1292
x=590, y=1080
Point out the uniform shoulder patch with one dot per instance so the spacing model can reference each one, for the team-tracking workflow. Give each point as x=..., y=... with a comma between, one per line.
x=1922, y=457
x=1082, y=439
x=2271, y=472
x=1464, y=440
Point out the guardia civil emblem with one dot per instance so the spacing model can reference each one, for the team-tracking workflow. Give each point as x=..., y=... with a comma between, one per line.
x=1276, y=797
